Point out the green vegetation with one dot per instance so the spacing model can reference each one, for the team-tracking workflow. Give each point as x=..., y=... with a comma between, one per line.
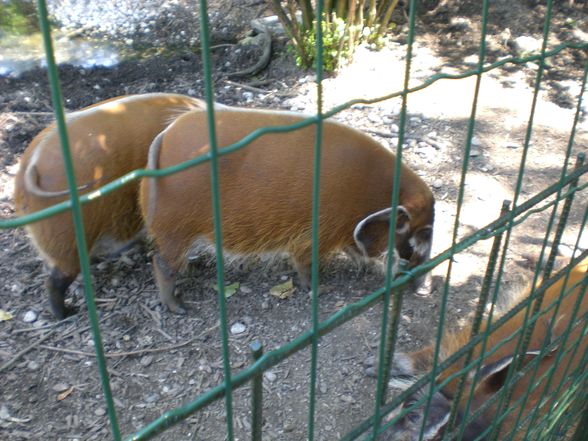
x=18, y=17
x=345, y=24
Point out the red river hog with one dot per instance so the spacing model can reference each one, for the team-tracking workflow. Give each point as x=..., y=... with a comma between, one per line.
x=499, y=353
x=266, y=195
x=107, y=140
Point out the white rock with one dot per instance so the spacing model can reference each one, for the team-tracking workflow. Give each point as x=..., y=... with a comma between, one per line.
x=29, y=317
x=238, y=328
x=60, y=387
x=270, y=376
x=526, y=43
x=374, y=117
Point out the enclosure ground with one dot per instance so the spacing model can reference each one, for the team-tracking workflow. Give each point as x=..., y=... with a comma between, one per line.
x=158, y=360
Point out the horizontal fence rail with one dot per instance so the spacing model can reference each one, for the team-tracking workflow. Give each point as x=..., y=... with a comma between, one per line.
x=572, y=183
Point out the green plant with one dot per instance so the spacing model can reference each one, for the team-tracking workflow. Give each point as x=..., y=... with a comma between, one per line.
x=18, y=17
x=345, y=24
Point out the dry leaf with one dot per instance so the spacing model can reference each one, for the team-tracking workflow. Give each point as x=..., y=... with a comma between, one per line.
x=229, y=289
x=5, y=316
x=63, y=395
x=283, y=290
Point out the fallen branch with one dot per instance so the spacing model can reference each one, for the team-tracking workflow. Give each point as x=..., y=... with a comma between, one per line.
x=14, y=359
x=29, y=113
x=129, y=353
x=263, y=60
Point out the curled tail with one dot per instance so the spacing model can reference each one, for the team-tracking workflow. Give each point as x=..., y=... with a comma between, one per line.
x=153, y=164
x=31, y=179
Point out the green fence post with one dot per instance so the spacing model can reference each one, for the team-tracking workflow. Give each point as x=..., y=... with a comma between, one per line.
x=216, y=209
x=315, y=221
x=77, y=216
x=256, y=394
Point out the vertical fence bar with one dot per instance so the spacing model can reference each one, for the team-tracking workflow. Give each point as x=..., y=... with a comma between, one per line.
x=460, y=199
x=216, y=208
x=476, y=325
x=577, y=344
x=57, y=100
x=391, y=337
x=580, y=157
x=559, y=231
x=384, y=359
x=316, y=219
x=256, y=394
x=547, y=272
x=582, y=429
x=563, y=220
x=505, y=397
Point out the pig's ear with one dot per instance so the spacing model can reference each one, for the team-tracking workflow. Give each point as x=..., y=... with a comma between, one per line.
x=493, y=375
x=372, y=232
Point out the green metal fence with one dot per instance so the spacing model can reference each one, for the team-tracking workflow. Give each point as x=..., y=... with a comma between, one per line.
x=570, y=423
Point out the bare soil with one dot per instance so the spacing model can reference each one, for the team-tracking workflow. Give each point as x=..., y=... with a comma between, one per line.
x=158, y=360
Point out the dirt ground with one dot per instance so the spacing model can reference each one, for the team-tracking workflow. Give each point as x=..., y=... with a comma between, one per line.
x=158, y=360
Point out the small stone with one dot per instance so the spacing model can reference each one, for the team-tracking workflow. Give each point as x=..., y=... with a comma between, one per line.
x=476, y=141
x=60, y=387
x=100, y=412
x=270, y=376
x=474, y=153
x=394, y=128
x=32, y=365
x=238, y=328
x=245, y=289
x=374, y=117
x=289, y=427
x=369, y=361
x=512, y=145
x=146, y=360
x=525, y=43
x=127, y=260
x=29, y=317
x=152, y=398
x=437, y=183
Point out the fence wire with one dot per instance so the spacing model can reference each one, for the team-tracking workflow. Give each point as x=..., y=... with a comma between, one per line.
x=569, y=414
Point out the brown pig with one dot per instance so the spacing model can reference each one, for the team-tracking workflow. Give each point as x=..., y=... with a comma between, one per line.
x=107, y=140
x=266, y=195
x=496, y=360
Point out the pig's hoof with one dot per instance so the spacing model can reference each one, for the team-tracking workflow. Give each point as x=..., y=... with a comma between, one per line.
x=177, y=307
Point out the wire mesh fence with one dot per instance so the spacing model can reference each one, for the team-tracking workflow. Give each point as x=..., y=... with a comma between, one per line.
x=525, y=368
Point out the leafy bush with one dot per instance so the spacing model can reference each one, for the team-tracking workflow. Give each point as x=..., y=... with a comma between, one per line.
x=18, y=17
x=345, y=24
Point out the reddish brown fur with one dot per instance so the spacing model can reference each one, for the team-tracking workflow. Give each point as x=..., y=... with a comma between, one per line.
x=421, y=361
x=266, y=188
x=107, y=140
